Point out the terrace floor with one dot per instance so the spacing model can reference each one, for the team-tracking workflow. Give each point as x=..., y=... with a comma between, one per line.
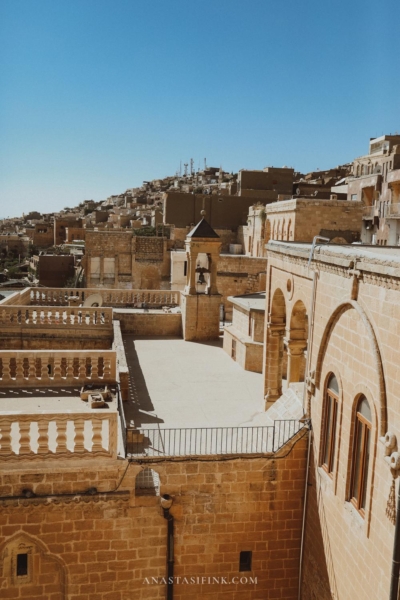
x=178, y=384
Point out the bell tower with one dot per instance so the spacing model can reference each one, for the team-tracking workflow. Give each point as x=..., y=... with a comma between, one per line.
x=200, y=300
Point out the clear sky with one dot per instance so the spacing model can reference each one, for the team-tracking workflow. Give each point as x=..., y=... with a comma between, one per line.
x=99, y=95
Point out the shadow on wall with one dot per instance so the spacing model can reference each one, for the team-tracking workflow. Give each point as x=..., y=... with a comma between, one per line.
x=318, y=570
x=139, y=402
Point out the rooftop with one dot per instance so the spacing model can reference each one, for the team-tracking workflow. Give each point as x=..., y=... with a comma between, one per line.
x=250, y=301
x=178, y=384
x=372, y=258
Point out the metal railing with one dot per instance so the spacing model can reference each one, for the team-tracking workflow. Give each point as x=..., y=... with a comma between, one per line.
x=209, y=441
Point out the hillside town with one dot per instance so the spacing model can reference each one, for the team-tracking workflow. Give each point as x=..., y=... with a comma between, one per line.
x=198, y=388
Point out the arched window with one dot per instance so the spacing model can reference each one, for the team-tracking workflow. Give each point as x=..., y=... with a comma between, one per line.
x=147, y=483
x=361, y=453
x=329, y=425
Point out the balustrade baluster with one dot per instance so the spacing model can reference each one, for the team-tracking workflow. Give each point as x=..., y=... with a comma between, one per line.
x=107, y=369
x=61, y=436
x=43, y=439
x=6, y=370
x=5, y=430
x=70, y=368
x=57, y=368
x=25, y=439
x=82, y=369
x=94, y=373
x=97, y=437
x=19, y=371
x=44, y=373
x=79, y=441
x=31, y=369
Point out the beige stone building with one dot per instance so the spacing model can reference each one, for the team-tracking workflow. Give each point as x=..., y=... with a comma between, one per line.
x=300, y=219
x=120, y=259
x=111, y=483
x=376, y=181
x=341, y=303
x=243, y=340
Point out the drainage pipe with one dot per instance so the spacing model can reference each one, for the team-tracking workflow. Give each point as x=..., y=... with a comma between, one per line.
x=166, y=503
x=394, y=578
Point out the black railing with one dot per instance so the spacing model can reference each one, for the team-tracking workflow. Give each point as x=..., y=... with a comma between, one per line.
x=209, y=441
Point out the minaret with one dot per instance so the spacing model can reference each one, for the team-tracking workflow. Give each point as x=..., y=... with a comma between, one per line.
x=200, y=300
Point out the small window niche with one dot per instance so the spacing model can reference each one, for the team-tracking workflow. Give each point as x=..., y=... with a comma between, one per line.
x=245, y=559
x=22, y=565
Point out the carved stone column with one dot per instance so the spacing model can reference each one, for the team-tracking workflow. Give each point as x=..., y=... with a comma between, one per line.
x=274, y=359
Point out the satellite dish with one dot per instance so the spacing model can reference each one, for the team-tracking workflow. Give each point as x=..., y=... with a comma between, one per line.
x=93, y=301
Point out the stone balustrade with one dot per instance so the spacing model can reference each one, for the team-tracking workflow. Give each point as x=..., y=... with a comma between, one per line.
x=73, y=435
x=110, y=297
x=12, y=316
x=27, y=368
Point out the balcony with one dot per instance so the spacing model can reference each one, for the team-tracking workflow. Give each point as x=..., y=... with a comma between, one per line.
x=209, y=441
x=393, y=210
x=370, y=212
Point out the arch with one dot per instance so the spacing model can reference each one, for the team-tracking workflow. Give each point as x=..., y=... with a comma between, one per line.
x=147, y=483
x=375, y=352
x=283, y=229
x=297, y=342
x=275, y=348
x=25, y=543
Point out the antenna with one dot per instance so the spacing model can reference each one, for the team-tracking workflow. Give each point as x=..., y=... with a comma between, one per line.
x=186, y=169
x=191, y=166
x=205, y=164
x=180, y=169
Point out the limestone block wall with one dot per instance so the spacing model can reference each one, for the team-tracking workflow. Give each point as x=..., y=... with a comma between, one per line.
x=248, y=354
x=150, y=324
x=356, y=320
x=200, y=316
x=300, y=220
x=108, y=545
x=238, y=274
x=118, y=259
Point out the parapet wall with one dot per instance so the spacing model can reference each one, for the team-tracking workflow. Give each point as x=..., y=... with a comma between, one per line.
x=92, y=535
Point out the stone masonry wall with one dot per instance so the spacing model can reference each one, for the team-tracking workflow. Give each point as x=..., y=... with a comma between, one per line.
x=107, y=546
x=355, y=337
x=238, y=274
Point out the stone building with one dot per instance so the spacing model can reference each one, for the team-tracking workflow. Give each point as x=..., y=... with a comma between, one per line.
x=300, y=219
x=109, y=483
x=375, y=181
x=237, y=274
x=43, y=235
x=342, y=304
x=266, y=184
x=243, y=340
x=119, y=259
x=53, y=270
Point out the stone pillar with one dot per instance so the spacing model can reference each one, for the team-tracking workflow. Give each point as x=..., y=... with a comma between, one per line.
x=295, y=350
x=191, y=273
x=273, y=368
x=213, y=262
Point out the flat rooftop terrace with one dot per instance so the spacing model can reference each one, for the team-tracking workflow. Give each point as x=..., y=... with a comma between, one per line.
x=178, y=384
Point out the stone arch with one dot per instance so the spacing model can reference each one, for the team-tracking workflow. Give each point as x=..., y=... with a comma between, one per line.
x=338, y=240
x=284, y=229
x=147, y=483
x=352, y=304
x=275, y=347
x=45, y=571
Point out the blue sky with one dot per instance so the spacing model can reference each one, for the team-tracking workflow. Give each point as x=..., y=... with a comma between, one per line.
x=99, y=95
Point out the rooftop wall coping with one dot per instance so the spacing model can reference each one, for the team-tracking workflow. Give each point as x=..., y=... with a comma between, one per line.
x=374, y=259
